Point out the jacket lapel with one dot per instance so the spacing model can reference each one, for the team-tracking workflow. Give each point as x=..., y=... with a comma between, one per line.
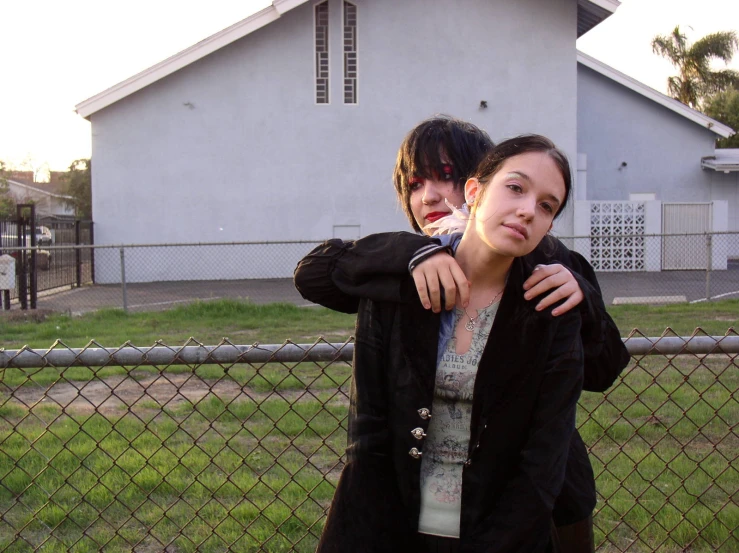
x=508, y=356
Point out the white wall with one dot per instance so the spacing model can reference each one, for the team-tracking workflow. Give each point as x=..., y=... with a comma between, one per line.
x=233, y=147
x=661, y=149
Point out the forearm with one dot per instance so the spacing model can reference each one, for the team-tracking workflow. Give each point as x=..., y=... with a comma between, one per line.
x=337, y=273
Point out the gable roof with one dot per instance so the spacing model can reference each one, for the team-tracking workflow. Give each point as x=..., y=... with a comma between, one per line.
x=37, y=190
x=662, y=99
x=589, y=14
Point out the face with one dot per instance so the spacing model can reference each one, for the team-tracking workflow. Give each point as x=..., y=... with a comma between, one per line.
x=518, y=204
x=427, y=196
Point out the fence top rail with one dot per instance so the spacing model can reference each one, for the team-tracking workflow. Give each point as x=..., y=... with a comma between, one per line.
x=61, y=356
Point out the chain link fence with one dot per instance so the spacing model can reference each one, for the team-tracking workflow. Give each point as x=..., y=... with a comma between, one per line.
x=238, y=448
x=630, y=269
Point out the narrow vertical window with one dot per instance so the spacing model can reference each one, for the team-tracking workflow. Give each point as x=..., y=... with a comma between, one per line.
x=350, y=53
x=321, y=15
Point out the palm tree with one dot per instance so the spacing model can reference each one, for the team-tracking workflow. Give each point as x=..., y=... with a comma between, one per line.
x=697, y=80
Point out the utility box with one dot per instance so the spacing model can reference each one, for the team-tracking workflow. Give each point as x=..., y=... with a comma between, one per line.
x=7, y=272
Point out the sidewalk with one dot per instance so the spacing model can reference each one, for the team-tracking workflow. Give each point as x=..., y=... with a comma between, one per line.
x=155, y=296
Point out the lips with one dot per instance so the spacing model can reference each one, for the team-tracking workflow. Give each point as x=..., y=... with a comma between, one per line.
x=519, y=229
x=435, y=216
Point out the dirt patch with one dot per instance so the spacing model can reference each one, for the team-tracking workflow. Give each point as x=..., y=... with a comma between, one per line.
x=120, y=393
x=26, y=315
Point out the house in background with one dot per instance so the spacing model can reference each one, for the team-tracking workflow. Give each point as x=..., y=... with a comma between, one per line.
x=285, y=126
x=643, y=169
x=48, y=204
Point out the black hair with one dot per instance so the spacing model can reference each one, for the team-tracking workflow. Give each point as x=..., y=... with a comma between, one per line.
x=462, y=144
x=507, y=149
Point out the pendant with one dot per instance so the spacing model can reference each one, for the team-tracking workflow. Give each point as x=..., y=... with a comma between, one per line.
x=470, y=326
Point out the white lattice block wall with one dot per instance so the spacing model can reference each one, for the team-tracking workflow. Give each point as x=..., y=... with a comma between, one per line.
x=617, y=230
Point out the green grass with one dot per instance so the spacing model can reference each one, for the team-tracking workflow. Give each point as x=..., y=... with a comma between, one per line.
x=664, y=449
x=209, y=322
x=258, y=462
x=254, y=464
x=651, y=320
x=245, y=323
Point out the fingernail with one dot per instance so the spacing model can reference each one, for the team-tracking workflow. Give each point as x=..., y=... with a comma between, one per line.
x=539, y=308
x=555, y=312
x=527, y=296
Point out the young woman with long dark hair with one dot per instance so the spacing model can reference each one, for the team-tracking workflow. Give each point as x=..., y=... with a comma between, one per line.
x=461, y=422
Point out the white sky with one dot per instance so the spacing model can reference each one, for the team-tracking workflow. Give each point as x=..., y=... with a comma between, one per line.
x=56, y=54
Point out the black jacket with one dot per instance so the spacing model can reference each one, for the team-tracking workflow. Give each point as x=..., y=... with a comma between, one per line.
x=523, y=416
x=337, y=274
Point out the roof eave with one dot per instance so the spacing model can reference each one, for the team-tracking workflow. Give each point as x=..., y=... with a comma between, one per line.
x=589, y=14
x=39, y=190
x=592, y=12
x=186, y=57
x=654, y=95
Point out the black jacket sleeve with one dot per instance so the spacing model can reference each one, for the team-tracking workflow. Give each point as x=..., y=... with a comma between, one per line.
x=605, y=353
x=336, y=274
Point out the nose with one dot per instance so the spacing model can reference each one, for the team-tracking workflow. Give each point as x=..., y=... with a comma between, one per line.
x=527, y=208
x=431, y=193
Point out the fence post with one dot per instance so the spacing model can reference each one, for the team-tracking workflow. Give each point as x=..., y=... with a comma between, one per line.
x=709, y=263
x=123, y=280
x=92, y=253
x=77, y=253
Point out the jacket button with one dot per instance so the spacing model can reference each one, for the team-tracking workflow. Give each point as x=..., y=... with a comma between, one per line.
x=418, y=433
x=415, y=453
x=424, y=413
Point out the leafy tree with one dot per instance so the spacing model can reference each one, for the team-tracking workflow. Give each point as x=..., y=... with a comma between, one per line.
x=78, y=185
x=7, y=202
x=724, y=107
x=697, y=80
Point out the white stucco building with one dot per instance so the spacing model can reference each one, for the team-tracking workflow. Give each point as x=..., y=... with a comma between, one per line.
x=285, y=126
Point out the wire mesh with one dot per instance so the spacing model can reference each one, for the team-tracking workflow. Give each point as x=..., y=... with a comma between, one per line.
x=670, y=269
x=238, y=448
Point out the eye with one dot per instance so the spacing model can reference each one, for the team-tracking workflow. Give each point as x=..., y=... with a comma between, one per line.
x=415, y=183
x=446, y=172
x=547, y=207
x=515, y=187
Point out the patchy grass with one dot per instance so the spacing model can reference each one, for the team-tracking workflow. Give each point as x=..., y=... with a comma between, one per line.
x=205, y=470
x=244, y=323
x=210, y=322
x=651, y=320
x=257, y=462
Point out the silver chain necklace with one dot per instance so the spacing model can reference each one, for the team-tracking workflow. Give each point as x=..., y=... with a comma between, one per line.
x=472, y=323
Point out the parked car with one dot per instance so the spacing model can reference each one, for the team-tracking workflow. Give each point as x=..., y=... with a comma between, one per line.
x=44, y=236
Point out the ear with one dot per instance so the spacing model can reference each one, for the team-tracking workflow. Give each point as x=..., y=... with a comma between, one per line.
x=471, y=188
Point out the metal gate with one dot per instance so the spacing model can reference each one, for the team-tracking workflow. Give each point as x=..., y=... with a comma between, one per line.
x=15, y=236
x=685, y=252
